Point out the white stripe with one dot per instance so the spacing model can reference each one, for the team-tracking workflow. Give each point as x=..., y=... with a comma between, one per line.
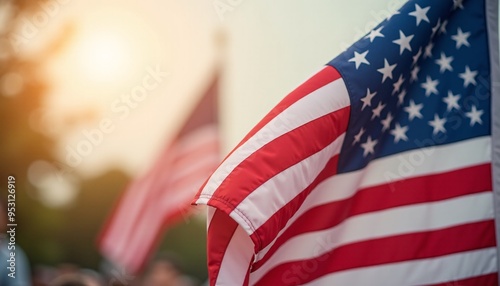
x=121, y=228
x=430, y=160
x=115, y=242
x=325, y=100
x=210, y=215
x=268, y=197
x=343, y=186
x=390, y=222
x=195, y=139
x=150, y=222
x=200, y=162
x=236, y=260
x=442, y=269
x=130, y=239
x=181, y=197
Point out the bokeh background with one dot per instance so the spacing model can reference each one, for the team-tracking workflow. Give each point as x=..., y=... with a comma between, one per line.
x=66, y=65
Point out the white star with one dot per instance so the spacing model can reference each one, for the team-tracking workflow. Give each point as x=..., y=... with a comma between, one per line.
x=438, y=124
x=377, y=110
x=368, y=146
x=436, y=28
x=375, y=33
x=458, y=4
x=403, y=42
x=420, y=14
x=442, y=29
x=359, y=59
x=414, y=73
x=461, y=38
x=444, y=63
x=401, y=97
x=452, y=101
x=430, y=86
x=399, y=133
x=416, y=57
x=474, y=116
x=397, y=84
x=414, y=110
x=386, y=123
x=428, y=50
x=468, y=76
x=357, y=137
x=386, y=71
x=367, y=100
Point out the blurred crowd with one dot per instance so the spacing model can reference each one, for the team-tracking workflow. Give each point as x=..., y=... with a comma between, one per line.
x=163, y=270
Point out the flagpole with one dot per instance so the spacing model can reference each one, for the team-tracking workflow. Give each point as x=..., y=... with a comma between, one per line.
x=492, y=25
x=220, y=40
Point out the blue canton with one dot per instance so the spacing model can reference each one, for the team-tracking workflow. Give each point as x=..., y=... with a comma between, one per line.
x=418, y=79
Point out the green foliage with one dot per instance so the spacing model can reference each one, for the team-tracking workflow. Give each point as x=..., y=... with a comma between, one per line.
x=188, y=240
x=84, y=219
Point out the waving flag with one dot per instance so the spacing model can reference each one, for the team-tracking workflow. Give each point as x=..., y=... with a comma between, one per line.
x=163, y=195
x=375, y=171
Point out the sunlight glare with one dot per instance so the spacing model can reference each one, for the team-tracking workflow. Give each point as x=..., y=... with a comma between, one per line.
x=105, y=57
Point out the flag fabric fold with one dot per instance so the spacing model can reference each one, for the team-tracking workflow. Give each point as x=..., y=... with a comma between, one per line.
x=375, y=171
x=162, y=196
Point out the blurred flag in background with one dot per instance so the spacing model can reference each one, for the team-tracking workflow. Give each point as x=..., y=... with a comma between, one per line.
x=375, y=171
x=162, y=195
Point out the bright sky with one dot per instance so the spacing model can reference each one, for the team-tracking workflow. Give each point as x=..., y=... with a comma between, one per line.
x=164, y=52
x=120, y=48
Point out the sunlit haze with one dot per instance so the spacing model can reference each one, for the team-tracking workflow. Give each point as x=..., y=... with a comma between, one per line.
x=104, y=56
x=114, y=50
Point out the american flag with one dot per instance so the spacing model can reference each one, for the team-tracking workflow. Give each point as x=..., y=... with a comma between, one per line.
x=376, y=170
x=163, y=194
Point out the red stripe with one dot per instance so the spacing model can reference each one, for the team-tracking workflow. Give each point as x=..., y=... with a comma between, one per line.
x=220, y=232
x=317, y=81
x=149, y=184
x=410, y=191
x=204, y=113
x=186, y=158
x=393, y=249
x=158, y=188
x=268, y=231
x=172, y=214
x=148, y=245
x=199, y=175
x=114, y=229
x=109, y=224
x=483, y=280
x=327, y=75
x=280, y=154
